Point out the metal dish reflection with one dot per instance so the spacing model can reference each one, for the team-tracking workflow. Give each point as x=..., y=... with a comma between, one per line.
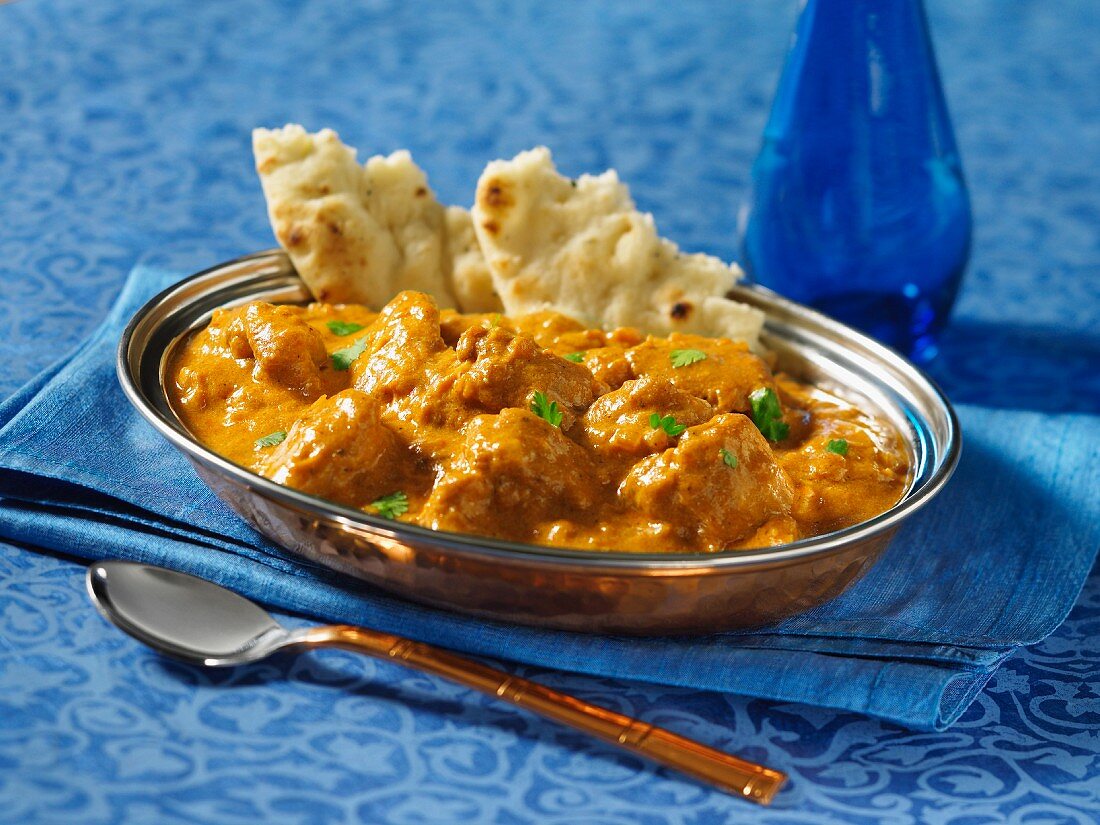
x=604, y=592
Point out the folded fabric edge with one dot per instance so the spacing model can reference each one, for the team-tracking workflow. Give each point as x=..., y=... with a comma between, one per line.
x=14, y=512
x=155, y=526
x=11, y=406
x=908, y=693
x=48, y=493
x=960, y=693
x=950, y=653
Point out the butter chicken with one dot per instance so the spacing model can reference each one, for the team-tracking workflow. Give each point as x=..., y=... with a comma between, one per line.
x=533, y=429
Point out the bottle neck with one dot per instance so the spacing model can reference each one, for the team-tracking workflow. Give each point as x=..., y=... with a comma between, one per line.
x=857, y=60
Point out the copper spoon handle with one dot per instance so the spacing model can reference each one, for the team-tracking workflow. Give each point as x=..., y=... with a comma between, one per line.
x=745, y=779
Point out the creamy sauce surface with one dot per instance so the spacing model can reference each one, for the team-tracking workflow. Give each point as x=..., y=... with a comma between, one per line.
x=533, y=429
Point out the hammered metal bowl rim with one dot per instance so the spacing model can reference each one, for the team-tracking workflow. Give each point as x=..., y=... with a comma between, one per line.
x=357, y=520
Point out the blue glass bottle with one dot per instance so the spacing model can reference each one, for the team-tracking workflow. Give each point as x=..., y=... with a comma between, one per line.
x=858, y=203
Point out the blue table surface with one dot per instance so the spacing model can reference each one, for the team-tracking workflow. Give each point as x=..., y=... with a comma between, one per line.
x=124, y=134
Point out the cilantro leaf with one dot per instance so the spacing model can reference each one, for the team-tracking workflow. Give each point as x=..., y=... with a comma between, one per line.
x=343, y=358
x=575, y=357
x=767, y=415
x=546, y=409
x=728, y=458
x=343, y=327
x=838, y=446
x=271, y=439
x=391, y=506
x=666, y=423
x=686, y=357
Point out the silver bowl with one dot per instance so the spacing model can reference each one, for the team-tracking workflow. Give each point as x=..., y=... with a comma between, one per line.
x=593, y=591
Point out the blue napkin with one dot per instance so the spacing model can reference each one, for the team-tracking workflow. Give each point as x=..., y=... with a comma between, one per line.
x=994, y=563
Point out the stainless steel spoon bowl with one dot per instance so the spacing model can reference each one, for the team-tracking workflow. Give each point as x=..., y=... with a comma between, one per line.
x=203, y=623
x=185, y=617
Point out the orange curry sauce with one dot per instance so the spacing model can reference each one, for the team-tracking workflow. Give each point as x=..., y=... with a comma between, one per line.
x=633, y=442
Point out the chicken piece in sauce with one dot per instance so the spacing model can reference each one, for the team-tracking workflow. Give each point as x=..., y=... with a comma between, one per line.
x=621, y=422
x=512, y=472
x=340, y=450
x=505, y=369
x=408, y=367
x=719, y=484
x=725, y=377
x=286, y=350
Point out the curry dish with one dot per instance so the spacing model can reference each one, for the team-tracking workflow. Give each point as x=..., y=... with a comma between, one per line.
x=533, y=429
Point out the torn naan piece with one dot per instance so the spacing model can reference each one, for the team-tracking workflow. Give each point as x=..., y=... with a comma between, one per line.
x=581, y=248
x=361, y=233
x=470, y=277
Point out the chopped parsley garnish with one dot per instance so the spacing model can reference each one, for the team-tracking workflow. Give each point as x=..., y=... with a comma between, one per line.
x=391, y=506
x=767, y=414
x=666, y=423
x=271, y=439
x=686, y=357
x=575, y=357
x=546, y=409
x=495, y=319
x=343, y=327
x=343, y=358
x=728, y=458
x=838, y=446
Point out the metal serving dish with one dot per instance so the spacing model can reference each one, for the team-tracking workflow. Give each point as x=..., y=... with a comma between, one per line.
x=594, y=591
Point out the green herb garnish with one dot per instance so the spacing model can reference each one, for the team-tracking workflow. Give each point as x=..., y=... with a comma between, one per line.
x=271, y=439
x=666, y=423
x=343, y=327
x=767, y=415
x=575, y=357
x=391, y=506
x=686, y=357
x=838, y=446
x=728, y=458
x=343, y=358
x=546, y=409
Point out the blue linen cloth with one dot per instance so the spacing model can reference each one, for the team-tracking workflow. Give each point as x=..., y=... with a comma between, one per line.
x=994, y=563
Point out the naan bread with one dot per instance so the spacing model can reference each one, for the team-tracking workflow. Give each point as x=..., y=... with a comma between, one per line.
x=536, y=240
x=362, y=233
x=582, y=248
x=470, y=277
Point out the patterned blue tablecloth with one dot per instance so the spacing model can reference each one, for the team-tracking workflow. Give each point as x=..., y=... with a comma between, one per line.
x=124, y=132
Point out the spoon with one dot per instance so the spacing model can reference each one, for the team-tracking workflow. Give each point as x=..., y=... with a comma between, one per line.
x=203, y=623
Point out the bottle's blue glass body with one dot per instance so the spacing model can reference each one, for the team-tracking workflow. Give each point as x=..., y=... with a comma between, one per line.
x=858, y=204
